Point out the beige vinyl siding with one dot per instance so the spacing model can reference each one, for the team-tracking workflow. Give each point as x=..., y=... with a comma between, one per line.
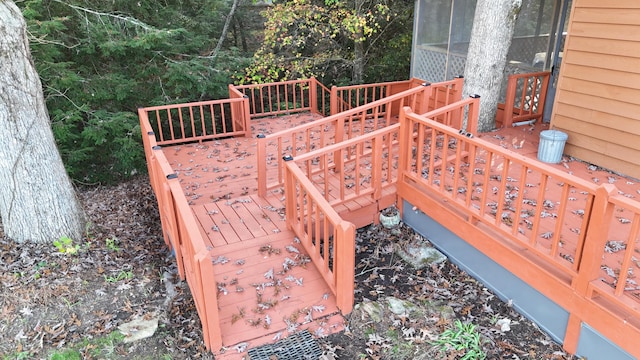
x=598, y=97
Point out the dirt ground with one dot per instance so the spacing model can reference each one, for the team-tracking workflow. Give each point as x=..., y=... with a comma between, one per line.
x=69, y=305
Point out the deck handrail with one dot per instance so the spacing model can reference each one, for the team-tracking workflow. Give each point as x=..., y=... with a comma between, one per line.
x=453, y=115
x=367, y=162
x=525, y=97
x=182, y=236
x=367, y=159
x=348, y=97
x=241, y=111
x=285, y=97
x=198, y=121
x=345, y=125
x=465, y=184
x=328, y=239
x=445, y=168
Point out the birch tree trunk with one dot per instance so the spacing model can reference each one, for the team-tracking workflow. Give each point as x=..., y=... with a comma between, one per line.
x=225, y=29
x=37, y=200
x=493, y=26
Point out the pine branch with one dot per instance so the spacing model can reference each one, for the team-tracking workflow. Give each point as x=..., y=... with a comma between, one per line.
x=126, y=19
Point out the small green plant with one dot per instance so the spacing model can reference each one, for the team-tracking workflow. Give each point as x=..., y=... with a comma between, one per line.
x=462, y=338
x=41, y=265
x=112, y=245
x=65, y=245
x=100, y=347
x=122, y=275
x=67, y=354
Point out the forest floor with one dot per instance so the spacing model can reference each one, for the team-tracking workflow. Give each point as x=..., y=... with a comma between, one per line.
x=69, y=305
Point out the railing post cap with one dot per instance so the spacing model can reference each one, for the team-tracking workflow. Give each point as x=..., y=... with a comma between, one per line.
x=157, y=147
x=475, y=96
x=172, y=176
x=261, y=136
x=287, y=158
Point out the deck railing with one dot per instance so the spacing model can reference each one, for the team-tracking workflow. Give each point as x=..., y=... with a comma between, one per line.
x=348, y=97
x=515, y=210
x=323, y=98
x=345, y=125
x=354, y=168
x=366, y=165
x=181, y=234
x=279, y=98
x=198, y=121
x=329, y=240
x=525, y=97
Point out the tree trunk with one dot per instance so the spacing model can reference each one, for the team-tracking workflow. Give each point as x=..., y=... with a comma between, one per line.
x=37, y=200
x=493, y=26
x=225, y=29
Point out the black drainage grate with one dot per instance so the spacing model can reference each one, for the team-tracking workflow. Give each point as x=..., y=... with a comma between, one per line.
x=299, y=346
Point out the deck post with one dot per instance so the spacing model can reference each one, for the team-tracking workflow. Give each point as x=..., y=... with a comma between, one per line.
x=246, y=115
x=427, y=95
x=595, y=239
x=338, y=138
x=313, y=95
x=456, y=88
x=590, y=261
x=404, y=152
x=472, y=116
x=333, y=100
x=509, y=103
x=345, y=255
x=376, y=167
x=207, y=277
x=290, y=196
x=542, y=97
x=261, y=154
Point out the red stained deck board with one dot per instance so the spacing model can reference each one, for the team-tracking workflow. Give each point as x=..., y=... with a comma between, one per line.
x=240, y=310
x=237, y=223
x=219, y=230
x=218, y=171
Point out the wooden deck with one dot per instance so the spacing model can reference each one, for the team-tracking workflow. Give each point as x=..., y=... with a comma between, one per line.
x=249, y=236
x=267, y=288
x=267, y=285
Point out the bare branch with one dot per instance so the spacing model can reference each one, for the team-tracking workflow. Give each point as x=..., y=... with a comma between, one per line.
x=126, y=19
x=42, y=40
x=225, y=29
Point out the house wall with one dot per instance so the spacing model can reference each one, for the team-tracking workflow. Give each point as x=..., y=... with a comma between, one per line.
x=598, y=95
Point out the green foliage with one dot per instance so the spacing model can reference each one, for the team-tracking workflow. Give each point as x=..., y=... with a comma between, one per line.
x=122, y=275
x=305, y=38
x=99, y=61
x=65, y=245
x=464, y=339
x=112, y=244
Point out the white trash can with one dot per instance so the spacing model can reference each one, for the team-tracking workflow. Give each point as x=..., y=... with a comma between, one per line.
x=551, y=146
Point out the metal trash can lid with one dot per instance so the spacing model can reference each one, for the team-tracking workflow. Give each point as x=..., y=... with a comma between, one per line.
x=554, y=135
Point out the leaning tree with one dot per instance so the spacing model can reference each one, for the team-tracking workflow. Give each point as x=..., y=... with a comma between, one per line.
x=491, y=35
x=37, y=200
